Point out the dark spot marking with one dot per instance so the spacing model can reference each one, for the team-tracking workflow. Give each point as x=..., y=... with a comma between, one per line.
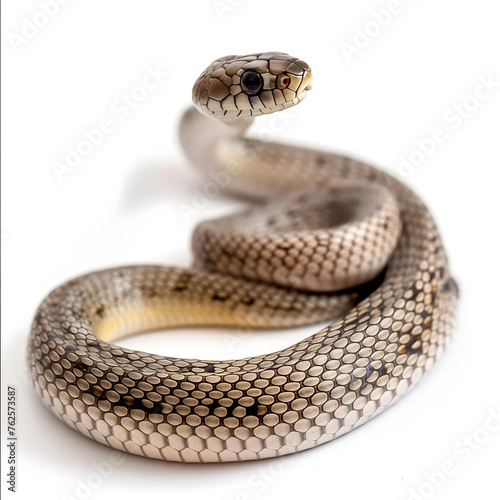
x=261, y=410
x=146, y=404
x=156, y=408
x=212, y=407
x=139, y=404
x=450, y=285
x=320, y=160
x=230, y=409
x=414, y=345
x=152, y=293
x=97, y=391
x=369, y=371
x=256, y=410
x=220, y=297
x=183, y=282
x=128, y=400
x=79, y=365
x=426, y=319
x=100, y=310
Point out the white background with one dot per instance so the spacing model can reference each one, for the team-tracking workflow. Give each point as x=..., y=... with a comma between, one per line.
x=121, y=205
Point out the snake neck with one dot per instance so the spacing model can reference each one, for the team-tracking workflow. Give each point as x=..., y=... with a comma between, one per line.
x=200, y=136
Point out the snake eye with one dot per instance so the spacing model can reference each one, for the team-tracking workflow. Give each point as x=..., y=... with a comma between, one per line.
x=251, y=82
x=283, y=81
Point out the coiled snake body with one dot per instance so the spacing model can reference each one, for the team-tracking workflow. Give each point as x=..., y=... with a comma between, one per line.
x=335, y=238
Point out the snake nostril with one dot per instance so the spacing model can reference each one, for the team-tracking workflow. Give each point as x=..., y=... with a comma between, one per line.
x=283, y=81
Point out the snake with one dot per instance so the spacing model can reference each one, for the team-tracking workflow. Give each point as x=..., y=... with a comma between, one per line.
x=324, y=238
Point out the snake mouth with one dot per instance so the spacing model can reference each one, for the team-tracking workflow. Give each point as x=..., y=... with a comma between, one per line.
x=306, y=84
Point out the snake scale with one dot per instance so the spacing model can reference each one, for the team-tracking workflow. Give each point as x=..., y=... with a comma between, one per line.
x=329, y=238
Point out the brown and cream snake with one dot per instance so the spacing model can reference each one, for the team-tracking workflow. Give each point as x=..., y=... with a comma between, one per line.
x=330, y=238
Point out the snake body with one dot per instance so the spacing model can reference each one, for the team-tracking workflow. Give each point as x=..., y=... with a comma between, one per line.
x=334, y=238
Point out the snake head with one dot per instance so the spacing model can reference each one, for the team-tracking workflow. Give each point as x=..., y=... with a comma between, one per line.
x=256, y=84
